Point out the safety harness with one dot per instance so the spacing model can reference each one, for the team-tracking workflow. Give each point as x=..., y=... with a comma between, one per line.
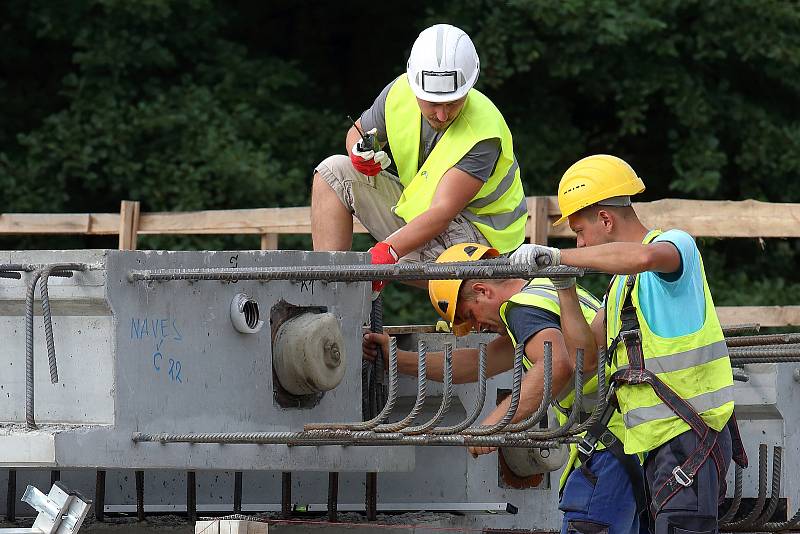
x=636, y=373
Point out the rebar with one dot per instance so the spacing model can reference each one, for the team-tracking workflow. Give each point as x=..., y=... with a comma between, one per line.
x=446, y=395
x=30, y=419
x=602, y=399
x=387, y=408
x=516, y=388
x=775, y=491
x=48, y=324
x=564, y=429
x=482, y=269
x=541, y=411
x=319, y=438
x=769, y=339
x=60, y=270
x=743, y=355
x=479, y=401
x=741, y=329
x=422, y=382
x=748, y=521
x=737, y=496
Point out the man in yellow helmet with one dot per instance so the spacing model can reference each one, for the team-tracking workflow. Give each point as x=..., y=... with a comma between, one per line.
x=598, y=497
x=661, y=334
x=454, y=178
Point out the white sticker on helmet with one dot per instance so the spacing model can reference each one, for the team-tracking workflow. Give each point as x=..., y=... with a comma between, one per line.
x=439, y=82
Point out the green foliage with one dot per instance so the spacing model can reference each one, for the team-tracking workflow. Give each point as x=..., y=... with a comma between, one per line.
x=197, y=104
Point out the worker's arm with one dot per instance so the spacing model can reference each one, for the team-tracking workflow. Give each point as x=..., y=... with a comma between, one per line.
x=577, y=332
x=625, y=257
x=455, y=191
x=533, y=381
x=499, y=358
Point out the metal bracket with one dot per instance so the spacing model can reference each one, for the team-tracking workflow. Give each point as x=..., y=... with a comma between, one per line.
x=61, y=511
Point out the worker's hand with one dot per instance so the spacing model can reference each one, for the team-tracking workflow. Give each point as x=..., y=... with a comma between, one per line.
x=536, y=256
x=370, y=344
x=369, y=162
x=382, y=254
x=563, y=283
x=477, y=451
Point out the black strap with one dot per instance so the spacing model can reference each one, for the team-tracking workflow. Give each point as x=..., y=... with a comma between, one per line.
x=599, y=433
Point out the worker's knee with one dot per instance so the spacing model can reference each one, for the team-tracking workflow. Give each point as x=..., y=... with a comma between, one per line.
x=582, y=526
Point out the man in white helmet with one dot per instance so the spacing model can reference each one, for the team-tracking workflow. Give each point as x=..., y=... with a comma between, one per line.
x=454, y=177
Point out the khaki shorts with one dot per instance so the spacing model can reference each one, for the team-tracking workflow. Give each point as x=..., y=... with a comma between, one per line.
x=371, y=198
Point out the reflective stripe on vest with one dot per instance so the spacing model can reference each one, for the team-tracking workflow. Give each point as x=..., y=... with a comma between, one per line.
x=498, y=210
x=695, y=366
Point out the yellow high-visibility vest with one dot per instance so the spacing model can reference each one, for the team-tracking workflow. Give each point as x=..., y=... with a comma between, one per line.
x=695, y=366
x=540, y=293
x=498, y=210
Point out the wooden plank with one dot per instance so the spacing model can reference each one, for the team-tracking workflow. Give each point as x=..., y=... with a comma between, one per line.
x=709, y=218
x=128, y=224
x=763, y=315
x=253, y=221
x=537, y=227
x=269, y=241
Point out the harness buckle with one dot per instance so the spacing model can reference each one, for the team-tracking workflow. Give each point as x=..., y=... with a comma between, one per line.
x=681, y=477
x=585, y=447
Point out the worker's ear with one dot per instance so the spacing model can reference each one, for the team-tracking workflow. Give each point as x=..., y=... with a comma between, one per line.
x=606, y=218
x=482, y=289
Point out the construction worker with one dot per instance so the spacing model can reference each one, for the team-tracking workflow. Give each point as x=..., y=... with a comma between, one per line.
x=598, y=497
x=454, y=179
x=662, y=336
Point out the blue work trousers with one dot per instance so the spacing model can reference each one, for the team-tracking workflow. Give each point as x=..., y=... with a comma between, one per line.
x=598, y=498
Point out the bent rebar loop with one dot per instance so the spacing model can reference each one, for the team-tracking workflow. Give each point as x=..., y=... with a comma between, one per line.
x=479, y=401
x=516, y=387
x=758, y=517
x=422, y=383
x=43, y=274
x=446, y=395
x=747, y=521
x=547, y=390
x=564, y=429
x=737, y=496
x=385, y=411
x=602, y=398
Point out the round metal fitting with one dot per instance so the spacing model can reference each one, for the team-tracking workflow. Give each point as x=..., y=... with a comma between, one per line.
x=245, y=314
x=308, y=353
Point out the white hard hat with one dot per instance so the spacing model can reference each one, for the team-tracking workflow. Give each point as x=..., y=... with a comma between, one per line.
x=443, y=65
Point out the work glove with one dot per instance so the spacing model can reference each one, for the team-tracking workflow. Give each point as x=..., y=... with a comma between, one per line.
x=381, y=254
x=536, y=256
x=563, y=283
x=369, y=162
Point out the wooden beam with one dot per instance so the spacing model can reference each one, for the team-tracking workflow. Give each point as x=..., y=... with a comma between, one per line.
x=763, y=315
x=128, y=224
x=709, y=218
x=269, y=241
x=538, y=226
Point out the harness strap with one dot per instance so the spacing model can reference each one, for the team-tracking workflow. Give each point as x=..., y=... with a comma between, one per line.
x=599, y=433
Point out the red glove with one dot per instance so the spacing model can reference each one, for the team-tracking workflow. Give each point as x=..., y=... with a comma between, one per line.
x=368, y=167
x=382, y=254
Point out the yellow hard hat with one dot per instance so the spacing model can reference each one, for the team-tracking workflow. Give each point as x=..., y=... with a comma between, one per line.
x=444, y=293
x=594, y=179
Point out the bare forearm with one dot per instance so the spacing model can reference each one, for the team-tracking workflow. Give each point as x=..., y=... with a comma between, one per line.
x=613, y=258
x=352, y=137
x=576, y=331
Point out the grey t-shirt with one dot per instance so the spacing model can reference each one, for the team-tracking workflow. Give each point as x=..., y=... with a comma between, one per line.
x=479, y=162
